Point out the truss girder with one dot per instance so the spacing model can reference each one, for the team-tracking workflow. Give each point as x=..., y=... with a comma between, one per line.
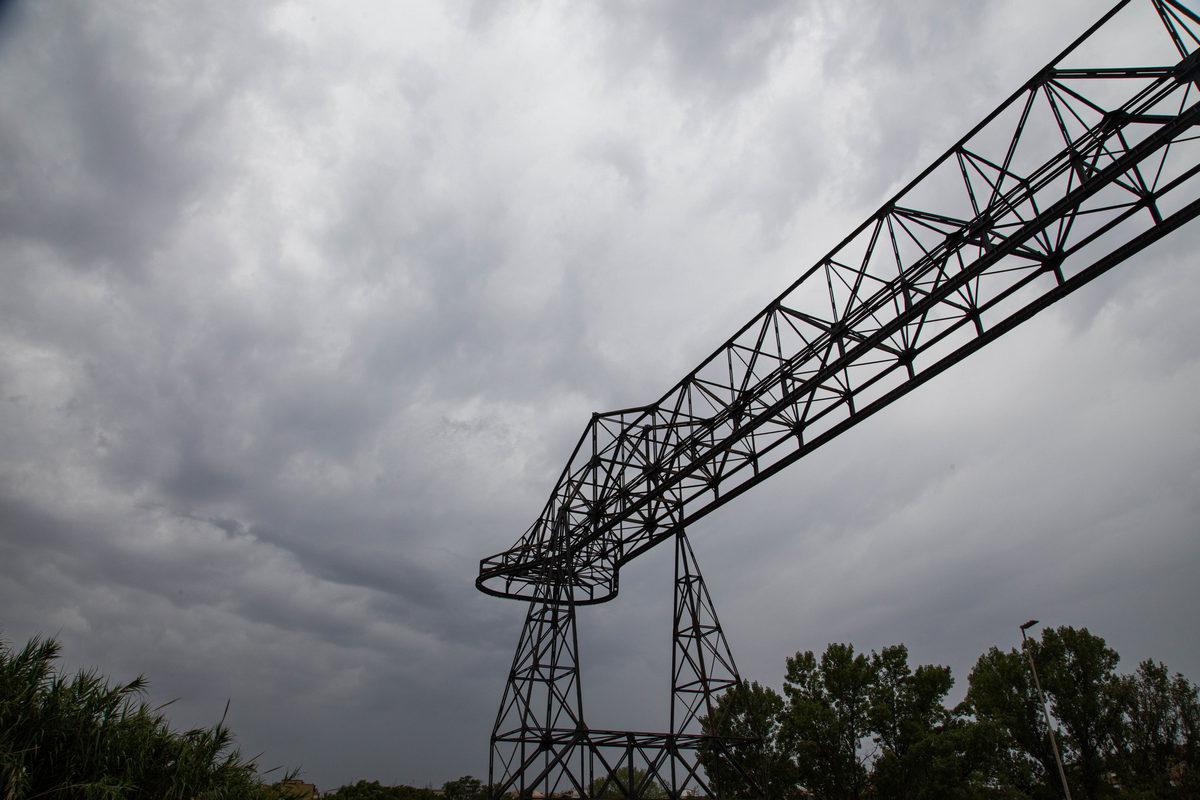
x=1080, y=168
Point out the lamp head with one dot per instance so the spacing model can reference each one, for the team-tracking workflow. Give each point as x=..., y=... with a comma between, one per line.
x=1029, y=624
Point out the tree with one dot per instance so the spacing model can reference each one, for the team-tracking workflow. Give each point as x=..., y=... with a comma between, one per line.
x=1160, y=734
x=464, y=788
x=1187, y=700
x=1001, y=694
x=1086, y=697
x=617, y=782
x=924, y=750
x=756, y=766
x=905, y=706
x=1135, y=736
x=360, y=790
x=372, y=790
x=1078, y=672
x=826, y=719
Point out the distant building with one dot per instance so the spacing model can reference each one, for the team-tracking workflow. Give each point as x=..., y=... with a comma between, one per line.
x=295, y=789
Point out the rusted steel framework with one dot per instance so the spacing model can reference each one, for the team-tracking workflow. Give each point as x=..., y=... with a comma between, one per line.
x=1090, y=161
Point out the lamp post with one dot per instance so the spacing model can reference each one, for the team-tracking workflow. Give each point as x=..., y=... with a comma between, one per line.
x=1045, y=709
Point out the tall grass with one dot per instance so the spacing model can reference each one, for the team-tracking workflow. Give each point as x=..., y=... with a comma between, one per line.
x=64, y=737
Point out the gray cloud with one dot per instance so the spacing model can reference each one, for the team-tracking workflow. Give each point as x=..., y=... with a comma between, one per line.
x=304, y=307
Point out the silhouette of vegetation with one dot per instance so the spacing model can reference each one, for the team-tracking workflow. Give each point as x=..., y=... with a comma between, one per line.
x=464, y=788
x=615, y=784
x=852, y=726
x=750, y=715
x=847, y=726
x=78, y=736
x=372, y=790
x=1132, y=736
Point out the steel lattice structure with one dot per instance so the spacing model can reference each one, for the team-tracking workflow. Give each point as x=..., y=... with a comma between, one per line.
x=1079, y=169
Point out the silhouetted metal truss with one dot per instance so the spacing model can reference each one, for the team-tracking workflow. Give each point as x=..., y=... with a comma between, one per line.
x=1081, y=168
x=540, y=740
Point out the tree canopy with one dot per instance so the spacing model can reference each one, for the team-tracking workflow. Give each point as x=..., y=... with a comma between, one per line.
x=373, y=790
x=852, y=726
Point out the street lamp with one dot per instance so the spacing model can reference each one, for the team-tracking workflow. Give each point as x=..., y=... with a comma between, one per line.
x=1045, y=709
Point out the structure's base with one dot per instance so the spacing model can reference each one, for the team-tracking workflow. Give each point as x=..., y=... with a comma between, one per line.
x=610, y=763
x=541, y=746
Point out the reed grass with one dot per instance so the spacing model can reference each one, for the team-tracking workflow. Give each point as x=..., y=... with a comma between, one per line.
x=68, y=737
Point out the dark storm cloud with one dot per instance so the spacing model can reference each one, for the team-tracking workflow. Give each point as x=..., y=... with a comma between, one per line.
x=304, y=307
x=121, y=149
x=707, y=46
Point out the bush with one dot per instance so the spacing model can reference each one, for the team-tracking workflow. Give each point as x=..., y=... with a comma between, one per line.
x=67, y=737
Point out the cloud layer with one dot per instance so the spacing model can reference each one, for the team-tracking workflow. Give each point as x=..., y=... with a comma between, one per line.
x=305, y=305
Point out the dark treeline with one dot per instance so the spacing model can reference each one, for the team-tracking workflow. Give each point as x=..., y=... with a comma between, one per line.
x=464, y=788
x=847, y=726
x=851, y=726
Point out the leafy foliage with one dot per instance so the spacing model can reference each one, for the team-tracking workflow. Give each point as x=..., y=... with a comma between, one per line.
x=921, y=754
x=1162, y=739
x=464, y=788
x=748, y=714
x=1079, y=676
x=372, y=790
x=855, y=725
x=68, y=737
x=1120, y=735
x=614, y=785
x=826, y=718
x=1001, y=693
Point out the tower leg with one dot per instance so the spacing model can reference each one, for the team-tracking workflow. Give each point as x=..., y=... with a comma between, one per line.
x=702, y=670
x=702, y=665
x=539, y=727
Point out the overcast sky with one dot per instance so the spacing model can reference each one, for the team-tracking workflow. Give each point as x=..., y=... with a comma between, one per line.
x=305, y=304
